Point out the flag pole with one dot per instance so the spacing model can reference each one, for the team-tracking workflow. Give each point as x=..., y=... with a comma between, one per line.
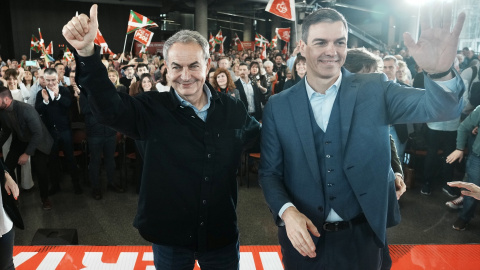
x=125, y=44
x=131, y=47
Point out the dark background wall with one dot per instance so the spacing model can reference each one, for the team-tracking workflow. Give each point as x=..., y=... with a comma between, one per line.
x=21, y=18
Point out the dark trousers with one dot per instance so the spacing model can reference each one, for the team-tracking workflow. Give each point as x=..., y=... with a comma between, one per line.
x=439, y=140
x=6, y=250
x=98, y=146
x=351, y=249
x=39, y=164
x=179, y=258
x=62, y=139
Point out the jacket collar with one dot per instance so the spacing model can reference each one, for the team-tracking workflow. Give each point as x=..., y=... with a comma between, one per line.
x=175, y=103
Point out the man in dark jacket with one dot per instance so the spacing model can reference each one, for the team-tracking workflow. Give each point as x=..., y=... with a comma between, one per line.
x=30, y=138
x=53, y=104
x=191, y=138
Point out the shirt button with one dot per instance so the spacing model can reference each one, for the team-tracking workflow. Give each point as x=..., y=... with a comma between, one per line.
x=193, y=116
x=204, y=201
x=328, y=142
x=320, y=209
x=329, y=185
x=206, y=178
x=328, y=156
x=332, y=198
x=330, y=170
x=209, y=155
x=201, y=223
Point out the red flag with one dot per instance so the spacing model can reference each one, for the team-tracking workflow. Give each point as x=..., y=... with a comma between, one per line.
x=260, y=41
x=282, y=8
x=35, y=44
x=273, y=43
x=283, y=34
x=49, y=49
x=100, y=41
x=238, y=42
x=211, y=42
x=219, y=37
x=264, y=53
x=137, y=21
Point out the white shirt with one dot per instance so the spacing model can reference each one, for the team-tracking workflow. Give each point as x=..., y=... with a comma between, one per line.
x=52, y=96
x=6, y=223
x=250, y=95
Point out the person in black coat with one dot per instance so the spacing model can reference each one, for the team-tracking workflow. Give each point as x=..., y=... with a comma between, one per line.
x=191, y=140
x=251, y=93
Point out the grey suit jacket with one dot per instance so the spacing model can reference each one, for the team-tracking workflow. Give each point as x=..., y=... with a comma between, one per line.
x=289, y=169
x=30, y=128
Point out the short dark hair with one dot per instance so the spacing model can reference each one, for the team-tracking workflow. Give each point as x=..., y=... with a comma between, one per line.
x=10, y=73
x=58, y=64
x=322, y=15
x=50, y=71
x=359, y=58
x=4, y=92
x=254, y=63
x=141, y=65
x=243, y=64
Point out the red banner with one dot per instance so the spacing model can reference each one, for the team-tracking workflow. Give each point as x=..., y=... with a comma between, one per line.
x=152, y=49
x=143, y=36
x=248, y=45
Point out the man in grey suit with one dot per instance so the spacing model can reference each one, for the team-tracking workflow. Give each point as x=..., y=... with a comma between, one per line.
x=30, y=138
x=331, y=191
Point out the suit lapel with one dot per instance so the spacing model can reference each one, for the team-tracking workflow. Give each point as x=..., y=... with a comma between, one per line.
x=348, y=95
x=299, y=105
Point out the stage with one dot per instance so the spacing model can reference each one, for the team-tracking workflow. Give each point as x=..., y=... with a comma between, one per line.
x=411, y=257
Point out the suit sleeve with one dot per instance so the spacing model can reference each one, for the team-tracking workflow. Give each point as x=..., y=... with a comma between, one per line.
x=437, y=103
x=396, y=164
x=34, y=124
x=116, y=110
x=272, y=165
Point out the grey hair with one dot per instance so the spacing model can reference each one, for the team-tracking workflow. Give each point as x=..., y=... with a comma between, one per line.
x=186, y=36
x=322, y=15
x=391, y=58
x=268, y=63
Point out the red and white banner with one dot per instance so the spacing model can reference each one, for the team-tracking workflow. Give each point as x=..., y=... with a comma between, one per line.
x=143, y=36
x=283, y=34
x=248, y=45
x=282, y=8
x=124, y=257
x=152, y=49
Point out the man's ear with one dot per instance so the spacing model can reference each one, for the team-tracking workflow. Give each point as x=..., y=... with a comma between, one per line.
x=209, y=62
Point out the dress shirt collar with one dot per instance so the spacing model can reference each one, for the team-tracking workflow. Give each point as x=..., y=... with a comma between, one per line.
x=333, y=89
x=188, y=104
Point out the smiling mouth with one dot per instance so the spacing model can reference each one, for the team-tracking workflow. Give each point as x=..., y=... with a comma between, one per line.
x=328, y=61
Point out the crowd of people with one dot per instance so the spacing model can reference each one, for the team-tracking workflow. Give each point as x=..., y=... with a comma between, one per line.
x=195, y=113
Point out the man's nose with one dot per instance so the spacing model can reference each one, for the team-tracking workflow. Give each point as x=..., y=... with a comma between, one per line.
x=330, y=49
x=185, y=74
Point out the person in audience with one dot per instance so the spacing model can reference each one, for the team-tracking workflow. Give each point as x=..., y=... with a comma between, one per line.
x=146, y=83
x=129, y=72
x=224, y=83
x=210, y=76
x=472, y=167
x=27, y=79
x=21, y=94
x=9, y=216
x=197, y=160
x=281, y=70
x=360, y=60
x=63, y=80
x=255, y=76
x=250, y=92
x=102, y=142
x=30, y=139
x=298, y=73
x=224, y=62
x=113, y=76
x=403, y=74
x=327, y=180
x=164, y=84
x=135, y=82
x=269, y=74
x=39, y=84
x=53, y=103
